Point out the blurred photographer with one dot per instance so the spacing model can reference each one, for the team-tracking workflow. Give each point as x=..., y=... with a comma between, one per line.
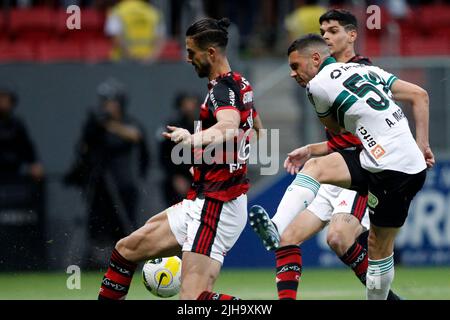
x=18, y=156
x=112, y=156
x=177, y=178
x=22, y=191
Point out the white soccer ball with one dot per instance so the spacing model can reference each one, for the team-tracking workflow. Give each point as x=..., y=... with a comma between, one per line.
x=162, y=276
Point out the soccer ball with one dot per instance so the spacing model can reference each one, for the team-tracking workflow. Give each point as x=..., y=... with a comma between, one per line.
x=162, y=276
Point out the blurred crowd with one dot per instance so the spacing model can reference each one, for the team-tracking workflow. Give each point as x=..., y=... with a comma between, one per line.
x=149, y=30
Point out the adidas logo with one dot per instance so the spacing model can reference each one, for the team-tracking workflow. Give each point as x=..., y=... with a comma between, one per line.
x=343, y=203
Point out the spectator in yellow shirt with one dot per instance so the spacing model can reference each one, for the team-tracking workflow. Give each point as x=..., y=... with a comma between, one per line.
x=137, y=30
x=304, y=19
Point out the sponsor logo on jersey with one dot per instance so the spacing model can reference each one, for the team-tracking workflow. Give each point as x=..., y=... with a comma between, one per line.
x=244, y=83
x=335, y=74
x=248, y=97
x=213, y=100
x=377, y=152
x=232, y=97
x=367, y=137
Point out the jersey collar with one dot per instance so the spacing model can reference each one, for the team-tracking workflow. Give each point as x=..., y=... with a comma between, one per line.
x=213, y=82
x=327, y=61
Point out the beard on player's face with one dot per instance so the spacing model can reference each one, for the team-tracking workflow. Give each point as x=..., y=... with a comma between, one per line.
x=203, y=68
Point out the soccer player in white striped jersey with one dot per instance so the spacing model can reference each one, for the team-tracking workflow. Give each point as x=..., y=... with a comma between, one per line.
x=391, y=168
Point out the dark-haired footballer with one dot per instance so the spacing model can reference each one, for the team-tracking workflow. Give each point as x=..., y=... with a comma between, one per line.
x=390, y=167
x=343, y=211
x=206, y=225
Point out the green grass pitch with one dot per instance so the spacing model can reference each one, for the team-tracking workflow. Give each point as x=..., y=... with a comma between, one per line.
x=255, y=284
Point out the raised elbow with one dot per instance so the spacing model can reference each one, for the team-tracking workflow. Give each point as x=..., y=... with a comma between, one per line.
x=422, y=95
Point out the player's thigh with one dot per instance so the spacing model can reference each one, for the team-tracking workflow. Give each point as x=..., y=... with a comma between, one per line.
x=154, y=239
x=199, y=273
x=330, y=169
x=304, y=226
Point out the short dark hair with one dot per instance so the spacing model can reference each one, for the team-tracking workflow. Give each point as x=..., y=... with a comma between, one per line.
x=209, y=32
x=306, y=41
x=344, y=17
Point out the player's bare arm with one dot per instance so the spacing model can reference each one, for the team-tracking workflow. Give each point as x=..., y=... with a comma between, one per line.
x=417, y=97
x=297, y=158
x=225, y=129
x=227, y=123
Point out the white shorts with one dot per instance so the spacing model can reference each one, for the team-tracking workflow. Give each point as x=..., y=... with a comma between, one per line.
x=208, y=226
x=331, y=200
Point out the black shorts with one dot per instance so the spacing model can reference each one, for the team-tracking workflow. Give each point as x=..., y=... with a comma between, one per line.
x=389, y=192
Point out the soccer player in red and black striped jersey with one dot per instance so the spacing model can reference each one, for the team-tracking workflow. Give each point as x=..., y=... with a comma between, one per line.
x=344, y=210
x=205, y=226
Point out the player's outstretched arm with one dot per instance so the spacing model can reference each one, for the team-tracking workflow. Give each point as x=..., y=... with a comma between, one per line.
x=225, y=129
x=297, y=158
x=418, y=98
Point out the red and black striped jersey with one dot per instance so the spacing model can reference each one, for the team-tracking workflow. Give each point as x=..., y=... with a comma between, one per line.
x=226, y=177
x=361, y=60
x=346, y=140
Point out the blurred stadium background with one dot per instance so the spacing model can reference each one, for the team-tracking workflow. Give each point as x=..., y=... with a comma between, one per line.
x=55, y=72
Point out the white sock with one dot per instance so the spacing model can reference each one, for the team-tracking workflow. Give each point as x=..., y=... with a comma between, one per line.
x=297, y=197
x=380, y=274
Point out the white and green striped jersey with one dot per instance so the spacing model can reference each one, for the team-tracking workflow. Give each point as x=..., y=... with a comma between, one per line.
x=359, y=98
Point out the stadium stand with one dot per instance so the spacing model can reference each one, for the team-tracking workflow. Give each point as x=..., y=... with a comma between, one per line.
x=31, y=24
x=40, y=34
x=16, y=51
x=59, y=51
x=35, y=33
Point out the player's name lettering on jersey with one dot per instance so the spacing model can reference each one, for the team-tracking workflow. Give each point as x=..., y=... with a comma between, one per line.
x=398, y=115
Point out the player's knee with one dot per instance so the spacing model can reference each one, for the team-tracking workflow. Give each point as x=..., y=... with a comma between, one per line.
x=129, y=246
x=121, y=247
x=313, y=168
x=337, y=242
x=310, y=166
